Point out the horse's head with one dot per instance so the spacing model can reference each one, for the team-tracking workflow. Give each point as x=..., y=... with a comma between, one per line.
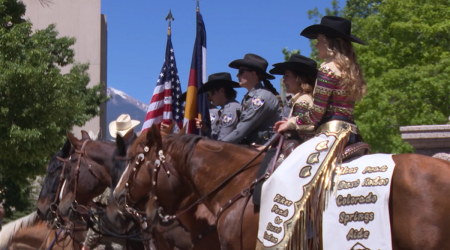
x=54, y=179
x=90, y=168
x=153, y=170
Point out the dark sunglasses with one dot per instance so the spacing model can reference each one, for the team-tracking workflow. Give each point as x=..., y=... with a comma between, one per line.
x=241, y=71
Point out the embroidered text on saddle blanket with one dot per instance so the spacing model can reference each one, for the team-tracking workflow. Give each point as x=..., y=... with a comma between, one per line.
x=358, y=213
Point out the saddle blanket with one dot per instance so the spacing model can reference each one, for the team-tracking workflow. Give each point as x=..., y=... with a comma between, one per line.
x=357, y=216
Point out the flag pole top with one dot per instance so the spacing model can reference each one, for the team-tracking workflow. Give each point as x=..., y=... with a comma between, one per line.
x=198, y=6
x=170, y=19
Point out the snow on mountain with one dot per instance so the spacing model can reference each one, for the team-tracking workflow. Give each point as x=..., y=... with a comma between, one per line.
x=121, y=103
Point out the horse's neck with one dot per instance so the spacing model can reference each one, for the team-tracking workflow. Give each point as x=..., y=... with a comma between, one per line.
x=215, y=168
x=32, y=236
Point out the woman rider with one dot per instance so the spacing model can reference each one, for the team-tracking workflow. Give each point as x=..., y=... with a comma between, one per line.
x=299, y=75
x=339, y=85
x=260, y=107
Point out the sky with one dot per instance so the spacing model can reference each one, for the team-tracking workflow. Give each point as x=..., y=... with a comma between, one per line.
x=137, y=36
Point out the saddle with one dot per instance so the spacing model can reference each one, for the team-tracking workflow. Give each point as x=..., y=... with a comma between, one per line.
x=351, y=151
x=288, y=146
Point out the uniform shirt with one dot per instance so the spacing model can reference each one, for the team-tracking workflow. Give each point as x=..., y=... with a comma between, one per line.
x=214, y=116
x=259, y=112
x=229, y=118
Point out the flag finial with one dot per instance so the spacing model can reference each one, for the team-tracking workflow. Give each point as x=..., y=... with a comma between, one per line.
x=198, y=6
x=170, y=19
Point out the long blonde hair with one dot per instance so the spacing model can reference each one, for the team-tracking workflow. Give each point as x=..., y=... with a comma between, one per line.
x=343, y=55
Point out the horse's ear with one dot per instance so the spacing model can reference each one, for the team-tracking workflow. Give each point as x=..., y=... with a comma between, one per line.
x=85, y=135
x=183, y=130
x=66, y=149
x=121, y=147
x=154, y=136
x=73, y=140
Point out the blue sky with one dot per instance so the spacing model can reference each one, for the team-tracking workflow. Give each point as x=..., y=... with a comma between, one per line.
x=137, y=35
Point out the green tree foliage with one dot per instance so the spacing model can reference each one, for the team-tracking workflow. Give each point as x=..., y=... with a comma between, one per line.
x=406, y=65
x=37, y=102
x=288, y=53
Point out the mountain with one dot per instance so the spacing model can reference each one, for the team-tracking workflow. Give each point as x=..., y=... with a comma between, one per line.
x=121, y=103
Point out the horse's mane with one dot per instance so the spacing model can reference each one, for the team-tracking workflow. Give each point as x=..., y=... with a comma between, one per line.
x=10, y=229
x=181, y=147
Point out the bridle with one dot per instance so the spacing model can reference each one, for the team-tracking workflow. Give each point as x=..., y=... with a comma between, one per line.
x=54, y=205
x=161, y=162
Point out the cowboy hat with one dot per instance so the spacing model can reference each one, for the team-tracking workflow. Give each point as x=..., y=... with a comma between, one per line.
x=332, y=26
x=122, y=125
x=218, y=80
x=253, y=62
x=300, y=65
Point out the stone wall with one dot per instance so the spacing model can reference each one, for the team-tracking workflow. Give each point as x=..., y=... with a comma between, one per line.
x=428, y=139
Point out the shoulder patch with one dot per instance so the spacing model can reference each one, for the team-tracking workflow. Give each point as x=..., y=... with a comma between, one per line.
x=257, y=102
x=226, y=119
x=212, y=117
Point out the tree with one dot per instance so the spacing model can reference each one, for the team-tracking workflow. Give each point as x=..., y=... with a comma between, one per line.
x=37, y=103
x=288, y=53
x=406, y=65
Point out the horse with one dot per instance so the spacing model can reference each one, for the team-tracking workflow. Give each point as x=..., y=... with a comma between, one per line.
x=97, y=161
x=30, y=232
x=218, y=172
x=54, y=179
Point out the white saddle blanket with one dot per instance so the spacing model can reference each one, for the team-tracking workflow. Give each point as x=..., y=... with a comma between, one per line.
x=357, y=216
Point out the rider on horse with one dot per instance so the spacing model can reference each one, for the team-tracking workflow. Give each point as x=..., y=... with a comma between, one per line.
x=339, y=85
x=220, y=89
x=260, y=106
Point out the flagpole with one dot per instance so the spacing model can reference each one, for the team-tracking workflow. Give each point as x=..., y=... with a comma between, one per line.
x=199, y=115
x=170, y=19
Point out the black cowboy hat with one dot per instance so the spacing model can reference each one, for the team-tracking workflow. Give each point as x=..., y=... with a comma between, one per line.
x=300, y=65
x=218, y=80
x=254, y=62
x=332, y=26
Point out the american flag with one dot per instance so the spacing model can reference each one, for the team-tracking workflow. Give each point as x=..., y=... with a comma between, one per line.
x=164, y=106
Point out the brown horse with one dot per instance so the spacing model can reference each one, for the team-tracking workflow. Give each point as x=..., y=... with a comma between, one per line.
x=29, y=232
x=105, y=161
x=418, y=203
x=54, y=179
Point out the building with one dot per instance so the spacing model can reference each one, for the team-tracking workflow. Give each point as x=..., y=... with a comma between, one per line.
x=83, y=20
